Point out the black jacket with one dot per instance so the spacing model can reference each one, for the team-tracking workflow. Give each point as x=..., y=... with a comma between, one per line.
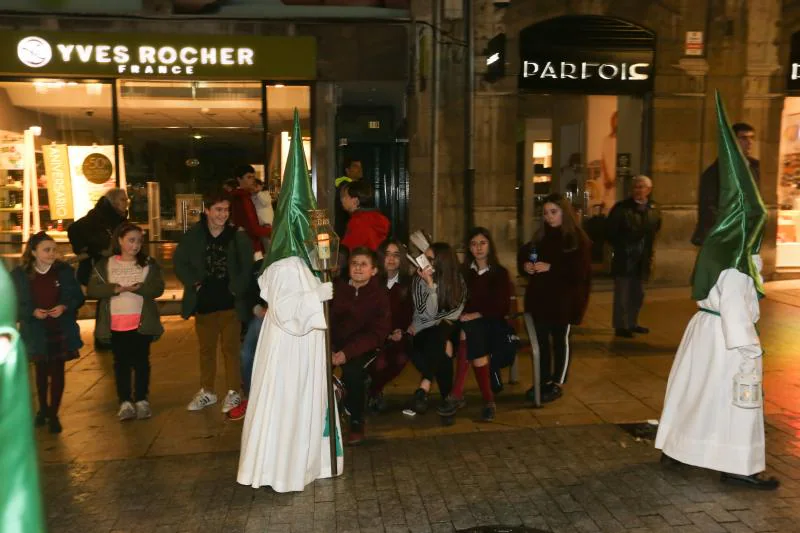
x=91, y=235
x=631, y=231
x=708, y=198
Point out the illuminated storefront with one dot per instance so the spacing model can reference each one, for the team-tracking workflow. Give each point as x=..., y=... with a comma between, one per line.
x=165, y=116
x=584, y=87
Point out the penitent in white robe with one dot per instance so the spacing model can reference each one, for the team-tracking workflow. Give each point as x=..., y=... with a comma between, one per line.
x=284, y=440
x=700, y=425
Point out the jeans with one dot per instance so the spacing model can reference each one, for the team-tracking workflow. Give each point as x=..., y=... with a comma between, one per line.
x=628, y=299
x=248, y=354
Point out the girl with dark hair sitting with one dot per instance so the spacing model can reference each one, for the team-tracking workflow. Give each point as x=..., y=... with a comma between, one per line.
x=393, y=357
x=483, y=323
x=557, y=263
x=48, y=298
x=438, y=294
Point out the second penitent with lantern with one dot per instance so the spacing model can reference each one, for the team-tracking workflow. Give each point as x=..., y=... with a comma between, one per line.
x=285, y=439
x=713, y=413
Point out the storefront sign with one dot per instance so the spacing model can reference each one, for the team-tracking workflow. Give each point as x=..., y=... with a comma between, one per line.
x=158, y=55
x=586, y=54
x=88, y=165
x=59, y=181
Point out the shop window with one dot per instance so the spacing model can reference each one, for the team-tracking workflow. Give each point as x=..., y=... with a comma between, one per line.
x=56, y=143
x=282, y=100
x=180, y=139
x=788, y=238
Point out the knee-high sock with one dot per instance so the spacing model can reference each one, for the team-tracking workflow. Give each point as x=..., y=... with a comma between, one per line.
x=482, y=377
x=462, y=367
x=42, y=373
x=56, y=386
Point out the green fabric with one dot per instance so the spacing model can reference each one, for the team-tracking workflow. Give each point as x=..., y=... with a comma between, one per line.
x=739, y=227
x=20, y=497
x=291, y=226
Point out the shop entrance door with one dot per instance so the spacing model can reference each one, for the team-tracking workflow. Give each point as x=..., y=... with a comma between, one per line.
x=385, y=166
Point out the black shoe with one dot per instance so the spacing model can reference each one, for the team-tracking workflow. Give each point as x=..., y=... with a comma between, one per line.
x=420, y=402
x=489, y=411
x=551, y=392
x=356, y=435
x=530, y=395
x=641, y=329
x=41, y=419
x=626, y=333
x=448, y=407
x=753, y=482
x=55, y=425
x=377, y=404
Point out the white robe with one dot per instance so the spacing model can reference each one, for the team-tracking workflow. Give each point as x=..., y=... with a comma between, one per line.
x=700, y=425
x=284, y=442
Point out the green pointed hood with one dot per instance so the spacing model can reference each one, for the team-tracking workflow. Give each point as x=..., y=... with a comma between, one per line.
x=739, y=227
x=20, y=497
x=291, y=226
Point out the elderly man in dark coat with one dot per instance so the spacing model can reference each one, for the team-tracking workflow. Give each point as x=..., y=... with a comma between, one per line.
x=632, y=228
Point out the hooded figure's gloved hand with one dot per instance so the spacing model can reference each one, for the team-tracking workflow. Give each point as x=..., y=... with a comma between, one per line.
x=324, y=291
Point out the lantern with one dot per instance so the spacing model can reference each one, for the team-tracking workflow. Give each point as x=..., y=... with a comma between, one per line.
x=747, y=391
x=323, y=245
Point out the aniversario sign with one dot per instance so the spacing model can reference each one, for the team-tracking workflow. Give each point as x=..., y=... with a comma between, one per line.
x=158, y=55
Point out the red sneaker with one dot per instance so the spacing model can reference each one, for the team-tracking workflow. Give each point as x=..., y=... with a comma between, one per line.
x=238, y=412
x=356, y=435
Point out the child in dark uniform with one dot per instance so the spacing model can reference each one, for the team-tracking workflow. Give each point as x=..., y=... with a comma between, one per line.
x=48, y=298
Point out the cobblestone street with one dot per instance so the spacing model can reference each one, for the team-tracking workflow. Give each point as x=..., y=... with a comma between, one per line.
x=567, y=467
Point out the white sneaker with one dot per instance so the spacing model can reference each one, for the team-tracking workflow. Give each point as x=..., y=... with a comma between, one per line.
x=126, y=411
x=201, y=400
x=232, y=400
x=143, y=410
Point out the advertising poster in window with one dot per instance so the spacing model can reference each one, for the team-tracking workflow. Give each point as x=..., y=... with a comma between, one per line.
x=601, y=143
x=59, y=182
x=11, y=148
x=93, y=174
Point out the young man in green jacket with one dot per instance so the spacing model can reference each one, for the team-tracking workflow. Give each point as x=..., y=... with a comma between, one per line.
x=213, y=262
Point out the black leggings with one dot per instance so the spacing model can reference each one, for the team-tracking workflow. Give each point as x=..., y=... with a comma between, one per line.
x=559, y=333
x=131, y=352
x=51, y=372
x=430, y=357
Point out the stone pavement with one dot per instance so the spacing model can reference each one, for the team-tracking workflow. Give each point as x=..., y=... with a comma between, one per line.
x=566, y=467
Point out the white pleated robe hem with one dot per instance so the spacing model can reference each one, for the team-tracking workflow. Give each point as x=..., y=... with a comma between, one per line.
x=699, y=424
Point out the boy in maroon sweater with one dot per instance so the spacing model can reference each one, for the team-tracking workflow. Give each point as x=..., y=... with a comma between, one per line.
x=360, y=322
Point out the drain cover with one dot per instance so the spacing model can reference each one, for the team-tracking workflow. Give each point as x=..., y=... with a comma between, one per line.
x=641, y=430
x=501, y=529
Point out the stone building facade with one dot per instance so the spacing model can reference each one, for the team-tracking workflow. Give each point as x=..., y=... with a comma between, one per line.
x=745, y=58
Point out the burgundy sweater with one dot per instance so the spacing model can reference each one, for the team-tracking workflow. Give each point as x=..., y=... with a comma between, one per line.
x=560, y=295
x=488, y=294
x=360, y=319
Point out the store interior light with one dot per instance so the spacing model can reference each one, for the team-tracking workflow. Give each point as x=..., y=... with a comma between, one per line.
x=197, y=136
x=36, y=130
x=279, y=86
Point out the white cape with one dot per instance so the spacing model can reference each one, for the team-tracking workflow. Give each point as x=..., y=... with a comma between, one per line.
x=700, y=425
x=284, y=440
